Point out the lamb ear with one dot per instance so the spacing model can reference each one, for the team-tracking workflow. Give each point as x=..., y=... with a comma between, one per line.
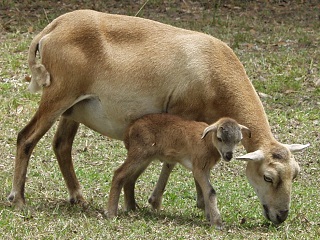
x=253, y=156
x=212, y=127
x=245, y=129
x=296, y=147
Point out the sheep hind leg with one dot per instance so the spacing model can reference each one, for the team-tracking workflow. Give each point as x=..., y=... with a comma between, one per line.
x=128, y=188
x=155, y=199
x=62, y=145
x=29, y=136
x=125, y=177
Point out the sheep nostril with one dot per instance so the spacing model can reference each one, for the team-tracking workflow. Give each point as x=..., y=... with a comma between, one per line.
x=282, y=216
x=229, y=156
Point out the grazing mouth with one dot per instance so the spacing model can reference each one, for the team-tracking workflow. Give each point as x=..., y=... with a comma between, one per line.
x=281, y=217
x=266, y=212
x=226, y=156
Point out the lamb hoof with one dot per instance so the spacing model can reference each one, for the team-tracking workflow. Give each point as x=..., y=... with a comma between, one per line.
x=110, y=215
x=219, y=227
x=79, y=201
x=217, y=224
x=17, y=202
x=155, y=204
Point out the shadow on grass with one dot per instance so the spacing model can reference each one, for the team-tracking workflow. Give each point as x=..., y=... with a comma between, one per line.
x=59, y=208
x=63, y=209
x=165, y=217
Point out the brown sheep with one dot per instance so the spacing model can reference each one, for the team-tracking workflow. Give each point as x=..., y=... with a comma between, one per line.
x=172, y=139
x=105, y=70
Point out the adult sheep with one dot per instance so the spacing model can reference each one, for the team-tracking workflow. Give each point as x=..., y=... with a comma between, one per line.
x=105, y=70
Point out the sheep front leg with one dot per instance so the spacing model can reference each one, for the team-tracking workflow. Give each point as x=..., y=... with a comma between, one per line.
x=155, y=199
x=200, y=198
x=210, y=198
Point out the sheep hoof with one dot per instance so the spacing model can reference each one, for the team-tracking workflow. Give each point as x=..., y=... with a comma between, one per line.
x=79, y=200
x=219, y=227
x=16, y=201
x=110, y=215
x=217, y=224
x=155, y=203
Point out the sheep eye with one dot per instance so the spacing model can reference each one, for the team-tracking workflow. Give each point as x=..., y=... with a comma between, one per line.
x=267, y=179
x=219, y=139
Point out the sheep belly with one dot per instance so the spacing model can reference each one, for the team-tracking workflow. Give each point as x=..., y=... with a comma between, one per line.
x=91, y=113
x=187, y=163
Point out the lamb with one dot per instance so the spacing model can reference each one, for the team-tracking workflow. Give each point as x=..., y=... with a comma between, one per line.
x=172, y=139
x=106, y=70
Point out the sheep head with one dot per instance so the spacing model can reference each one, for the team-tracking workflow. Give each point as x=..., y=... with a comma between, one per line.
x=271, y=171
x=227, y=133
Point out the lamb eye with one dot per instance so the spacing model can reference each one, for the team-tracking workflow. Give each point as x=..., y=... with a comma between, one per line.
x=219, y=139
x=267, y=179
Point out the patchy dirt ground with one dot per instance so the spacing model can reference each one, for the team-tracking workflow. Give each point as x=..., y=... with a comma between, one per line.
x=25, y=15
x=278, y=43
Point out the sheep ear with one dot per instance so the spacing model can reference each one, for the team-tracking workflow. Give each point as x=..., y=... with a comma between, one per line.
x=212, y=127
x=296, y=147
x=253, y=156
x=245, y=129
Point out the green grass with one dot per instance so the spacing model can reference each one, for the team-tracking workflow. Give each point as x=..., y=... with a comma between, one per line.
x=278, y=43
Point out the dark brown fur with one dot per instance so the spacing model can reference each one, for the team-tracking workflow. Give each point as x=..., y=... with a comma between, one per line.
x=173, y=140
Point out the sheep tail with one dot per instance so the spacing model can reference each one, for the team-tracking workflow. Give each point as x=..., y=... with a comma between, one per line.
x=40, y=76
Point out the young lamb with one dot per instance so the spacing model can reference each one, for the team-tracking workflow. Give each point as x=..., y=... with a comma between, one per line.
x=172, y=139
